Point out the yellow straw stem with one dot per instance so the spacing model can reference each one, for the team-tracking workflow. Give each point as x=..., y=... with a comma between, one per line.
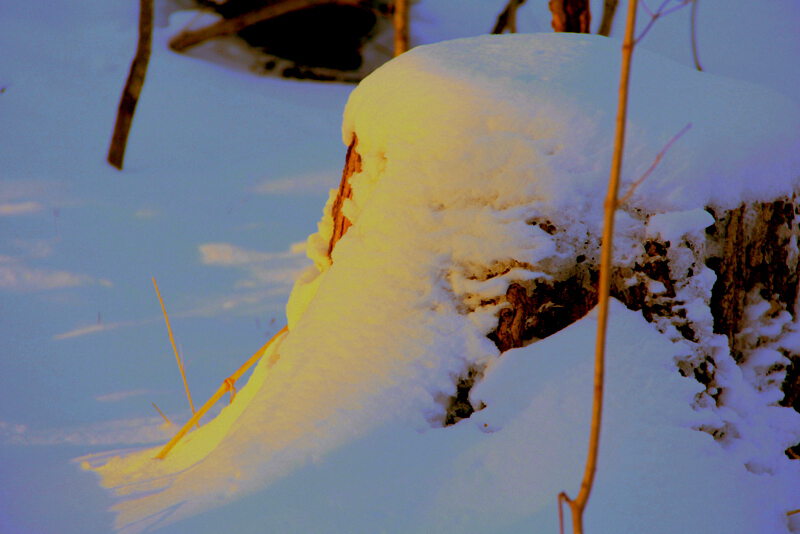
x=166, y=419
x=174, y=348
x=226, y=386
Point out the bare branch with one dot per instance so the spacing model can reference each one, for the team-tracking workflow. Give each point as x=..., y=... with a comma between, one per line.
x=133, y=87
x=609, y=10
x=507, y=19
x=693, y=31
x=656, y=161
x=604, y=287
x=662, y=11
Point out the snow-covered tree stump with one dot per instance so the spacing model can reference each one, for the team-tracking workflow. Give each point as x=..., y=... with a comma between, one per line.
x=700, y=277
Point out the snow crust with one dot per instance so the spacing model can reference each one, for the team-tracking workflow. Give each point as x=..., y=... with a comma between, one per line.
x=464, y=145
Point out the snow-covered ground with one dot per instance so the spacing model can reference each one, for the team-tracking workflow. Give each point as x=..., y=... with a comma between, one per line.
x=225, y=173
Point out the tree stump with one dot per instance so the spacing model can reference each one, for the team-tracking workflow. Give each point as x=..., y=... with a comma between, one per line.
x=750, y=253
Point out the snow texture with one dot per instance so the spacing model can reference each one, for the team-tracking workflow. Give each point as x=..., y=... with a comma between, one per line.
x=464, y=144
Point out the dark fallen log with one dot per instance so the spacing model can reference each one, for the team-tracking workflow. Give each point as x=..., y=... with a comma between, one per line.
x=231, y=26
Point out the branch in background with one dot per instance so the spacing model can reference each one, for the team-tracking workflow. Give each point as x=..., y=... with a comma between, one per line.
x=507, y=19
x=189, y=38
x=693, y=30
x=133, y=87
x=401, y=32
x=609, y=10
x=662, y=11
x=579, y=503
x=570, y=15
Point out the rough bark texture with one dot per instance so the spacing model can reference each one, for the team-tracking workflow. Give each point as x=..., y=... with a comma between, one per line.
x=755, y=254
x=341, y=223
x=571, y=15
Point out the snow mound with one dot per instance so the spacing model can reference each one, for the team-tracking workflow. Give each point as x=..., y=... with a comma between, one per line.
x=464, y=146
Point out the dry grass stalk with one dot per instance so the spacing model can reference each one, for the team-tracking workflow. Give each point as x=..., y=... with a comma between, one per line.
x=227, y=385
x=578, y=504
x=174, y=347
x=166, y=419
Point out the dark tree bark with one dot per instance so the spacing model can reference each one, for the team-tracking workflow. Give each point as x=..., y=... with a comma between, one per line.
x=571, y=15
x=507, y=19
x=609, y=10
x=133, y=87
x=341, y=223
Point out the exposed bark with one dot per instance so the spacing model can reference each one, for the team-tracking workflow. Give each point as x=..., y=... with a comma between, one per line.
x=571, y=15
x=341, y=223
x=133, y=86
x=230, y=26
x=401, y=30
x=757, y=252
x=609, y=10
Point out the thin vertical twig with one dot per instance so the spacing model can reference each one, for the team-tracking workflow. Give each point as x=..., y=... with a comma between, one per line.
x=401, y=31
x=133, y=86
x=174, y=347
x=693, y=30
x=579, y=503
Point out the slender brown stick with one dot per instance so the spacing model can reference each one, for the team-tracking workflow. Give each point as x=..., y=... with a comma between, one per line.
x=793, y=512
x=579, y=503
x=629, y=193
x=507, y=19
x=226, y=386
x=401, y=32
x=174, y=347
x=133, y=87
x=693, y=31
x=609, y=10
x=166, y=419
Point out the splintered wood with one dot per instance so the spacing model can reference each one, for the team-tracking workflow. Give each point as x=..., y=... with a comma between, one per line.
x=341, y=223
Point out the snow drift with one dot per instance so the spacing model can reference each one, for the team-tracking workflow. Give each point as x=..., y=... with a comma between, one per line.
x=464, y=146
